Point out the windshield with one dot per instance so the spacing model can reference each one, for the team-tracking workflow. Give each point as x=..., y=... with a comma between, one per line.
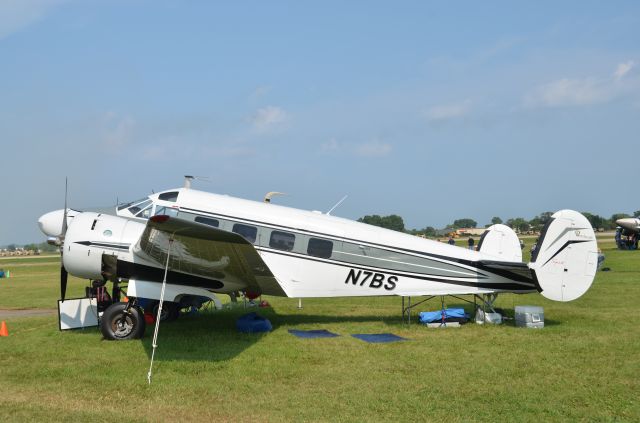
x=131, y=203
x=136, y=208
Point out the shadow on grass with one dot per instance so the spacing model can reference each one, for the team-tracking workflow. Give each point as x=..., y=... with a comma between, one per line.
x=214, y=337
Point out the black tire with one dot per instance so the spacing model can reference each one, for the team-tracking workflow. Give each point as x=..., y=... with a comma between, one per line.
x=170, y=311
x=117, y=325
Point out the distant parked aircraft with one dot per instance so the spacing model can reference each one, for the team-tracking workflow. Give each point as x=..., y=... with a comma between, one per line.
x=629, y=225
x=628, y=233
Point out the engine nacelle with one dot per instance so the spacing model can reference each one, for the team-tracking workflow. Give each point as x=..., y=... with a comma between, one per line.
x=92, y=235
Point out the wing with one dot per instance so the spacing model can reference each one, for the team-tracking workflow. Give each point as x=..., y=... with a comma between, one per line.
x=201, y=252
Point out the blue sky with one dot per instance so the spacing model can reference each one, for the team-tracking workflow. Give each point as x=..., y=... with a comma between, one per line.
x=434, y=111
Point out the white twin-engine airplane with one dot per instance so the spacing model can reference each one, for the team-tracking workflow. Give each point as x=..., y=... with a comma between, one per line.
x=199, y=243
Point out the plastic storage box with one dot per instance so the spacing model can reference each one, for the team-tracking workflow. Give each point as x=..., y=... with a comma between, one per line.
x=529, y=316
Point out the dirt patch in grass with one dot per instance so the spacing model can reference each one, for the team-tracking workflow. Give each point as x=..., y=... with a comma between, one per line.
x=25, y=312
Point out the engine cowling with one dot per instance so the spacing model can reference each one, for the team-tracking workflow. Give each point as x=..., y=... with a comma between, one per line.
x=92, y=235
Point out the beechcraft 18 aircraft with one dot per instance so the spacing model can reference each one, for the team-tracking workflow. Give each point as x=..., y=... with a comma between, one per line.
x=189, y=242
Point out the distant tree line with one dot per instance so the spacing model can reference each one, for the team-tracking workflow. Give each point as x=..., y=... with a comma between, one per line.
x=43, y=246
x=519, y=224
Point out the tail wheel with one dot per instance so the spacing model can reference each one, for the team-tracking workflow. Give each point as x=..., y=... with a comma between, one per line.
x=118, y=323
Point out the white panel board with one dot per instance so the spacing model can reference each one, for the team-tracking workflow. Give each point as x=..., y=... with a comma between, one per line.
x=78, y=313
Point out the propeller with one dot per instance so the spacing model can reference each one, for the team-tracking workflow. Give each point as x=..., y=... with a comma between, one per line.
x=63, y=272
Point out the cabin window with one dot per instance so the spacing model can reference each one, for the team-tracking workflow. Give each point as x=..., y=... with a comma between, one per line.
x=320, y=248
x=282, y=240
x=208, y=221
x=169, y=196
x=168, y=211
x=248, y=232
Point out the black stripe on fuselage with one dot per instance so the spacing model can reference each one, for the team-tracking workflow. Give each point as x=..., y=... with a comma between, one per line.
x=129, y=270
x=448, y=260
x=518, y=286
x=119, y=247
x=509, y=274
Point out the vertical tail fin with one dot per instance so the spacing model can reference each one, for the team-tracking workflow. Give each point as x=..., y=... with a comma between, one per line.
x=566, y=257
x=502, y=242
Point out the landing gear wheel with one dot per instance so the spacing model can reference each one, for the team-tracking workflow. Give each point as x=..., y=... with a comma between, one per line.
x=119, y=324
x=170, y=311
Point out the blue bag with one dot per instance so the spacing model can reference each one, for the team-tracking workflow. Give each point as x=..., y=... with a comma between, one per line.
x=253, y=323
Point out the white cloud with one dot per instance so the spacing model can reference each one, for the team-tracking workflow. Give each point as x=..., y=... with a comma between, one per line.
x=623, y=69
x=16, y=15
x=373, y=149
x=567, y=92
x=269, y=117
x=448, y=111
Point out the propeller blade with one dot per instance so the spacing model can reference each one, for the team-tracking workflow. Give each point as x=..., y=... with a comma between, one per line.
x=64, y=219
x=63, y=282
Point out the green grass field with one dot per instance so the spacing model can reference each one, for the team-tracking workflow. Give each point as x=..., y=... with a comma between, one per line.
x=583, y=366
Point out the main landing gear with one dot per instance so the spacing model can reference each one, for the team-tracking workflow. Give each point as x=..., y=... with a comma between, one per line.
x=122, y=321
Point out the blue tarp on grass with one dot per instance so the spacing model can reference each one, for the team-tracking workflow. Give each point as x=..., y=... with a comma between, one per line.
x=378, y=337
x=436, y=316
x=319, y=333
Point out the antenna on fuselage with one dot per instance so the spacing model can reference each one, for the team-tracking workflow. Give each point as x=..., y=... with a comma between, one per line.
x=337, y=204
x=271, y=194
x=189, y=178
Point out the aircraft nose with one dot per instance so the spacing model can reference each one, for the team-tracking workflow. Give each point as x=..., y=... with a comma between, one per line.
x=626, y=223
x=51, y=223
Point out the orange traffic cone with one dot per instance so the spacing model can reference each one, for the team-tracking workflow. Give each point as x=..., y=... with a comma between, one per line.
x=3, y=329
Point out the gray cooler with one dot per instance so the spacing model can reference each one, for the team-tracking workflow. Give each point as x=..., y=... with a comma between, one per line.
x=529, y=316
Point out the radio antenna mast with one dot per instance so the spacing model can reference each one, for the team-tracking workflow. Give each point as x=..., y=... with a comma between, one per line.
x=337, y=204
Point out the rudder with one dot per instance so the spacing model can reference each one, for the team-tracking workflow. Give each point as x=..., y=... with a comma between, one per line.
x=566, y=257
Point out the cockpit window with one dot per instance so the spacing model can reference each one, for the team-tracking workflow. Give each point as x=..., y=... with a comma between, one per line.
x=146, y=212
x=135, y=209
x=169, y=196
x=131, y=203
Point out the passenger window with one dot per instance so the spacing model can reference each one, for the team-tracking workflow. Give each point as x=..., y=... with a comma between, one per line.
x=169, y=196
x=282, y=240
x=320, y=248
x=248, y=232
x=208, y=221
x=168, y=211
